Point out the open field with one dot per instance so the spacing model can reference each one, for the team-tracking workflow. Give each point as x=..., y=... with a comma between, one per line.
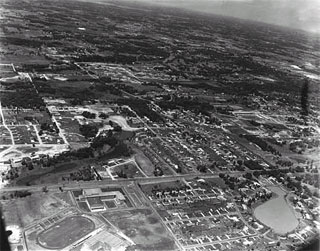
x=143, y=227
x=128, y=170
x=24, y=211
x=144, y=163
x=66, y=232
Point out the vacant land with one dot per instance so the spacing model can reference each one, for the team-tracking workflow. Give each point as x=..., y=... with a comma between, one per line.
x=143, y=227
x=24, y=211
x=144, y=163
x=66, y=232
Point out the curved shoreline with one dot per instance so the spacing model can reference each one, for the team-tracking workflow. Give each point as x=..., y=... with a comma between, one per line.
x=272, y=222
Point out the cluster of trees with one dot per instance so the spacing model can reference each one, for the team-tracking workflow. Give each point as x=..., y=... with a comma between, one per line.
x=295, y=121
x=215, y=120
x=119, y=148
x=235, y=183
x=103, y=115
x=294, y=184
x=89, y=130
x=276, y=173
x=231, y=181
x=101, y=140
x=305, y=99
x=283, y=162
x=48, y=127
x=261, y=143
x=258, y=196
x=158, y=172
x=141, y=107
x=311, y=179
x=239, y=165
x=82, y=153
x=85, y=173
x=127, y=88
x=27, y=99
x=224, y=110
x=88, y=115
x=202, y=168
x=171, y=102
x=253, y=164
x=179, y=169
x=122, y=174
x=173, y=191
x=297, y=146
x=18, y=194
x=81, y=100
x=277, y=142
x=116, y=126
x=12, y=174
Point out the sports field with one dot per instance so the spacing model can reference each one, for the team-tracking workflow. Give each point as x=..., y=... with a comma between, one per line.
x=66, y=232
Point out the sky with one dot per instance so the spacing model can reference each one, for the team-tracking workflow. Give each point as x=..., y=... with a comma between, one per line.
x=300, y=14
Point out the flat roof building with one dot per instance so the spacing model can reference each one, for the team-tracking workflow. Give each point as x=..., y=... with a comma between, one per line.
x=95, y=198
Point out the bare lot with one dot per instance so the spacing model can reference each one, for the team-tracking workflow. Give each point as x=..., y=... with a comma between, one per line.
x=24, y=211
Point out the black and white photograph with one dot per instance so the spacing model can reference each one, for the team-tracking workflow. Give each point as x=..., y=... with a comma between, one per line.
x=159, y=125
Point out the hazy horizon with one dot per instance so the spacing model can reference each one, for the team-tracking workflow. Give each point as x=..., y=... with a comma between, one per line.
x=298, y=14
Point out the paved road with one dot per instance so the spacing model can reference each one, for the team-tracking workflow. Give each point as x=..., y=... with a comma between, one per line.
x=94, y=183
x=4, y=124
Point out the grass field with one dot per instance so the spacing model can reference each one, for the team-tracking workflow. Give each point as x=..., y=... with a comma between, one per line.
x=83, y=206
x=143, y=227
x=64, y=196
x=144, y=163
x=130, y=170
x=66, y=232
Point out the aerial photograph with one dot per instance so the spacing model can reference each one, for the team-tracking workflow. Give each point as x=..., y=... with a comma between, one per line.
x=159, y=125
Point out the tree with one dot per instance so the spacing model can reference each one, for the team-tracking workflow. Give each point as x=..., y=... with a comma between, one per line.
x=89, y=115
x=202, y=168
x=248, y=176
x=103, y=115
x=304, y=98
x=89, y=130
